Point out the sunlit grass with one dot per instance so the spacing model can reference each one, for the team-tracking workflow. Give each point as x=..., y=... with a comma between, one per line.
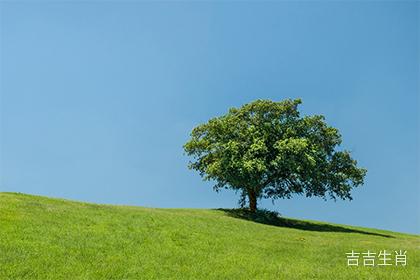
x=43, y=238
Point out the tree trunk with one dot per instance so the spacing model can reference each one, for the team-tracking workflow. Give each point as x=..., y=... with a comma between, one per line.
x=252, y=201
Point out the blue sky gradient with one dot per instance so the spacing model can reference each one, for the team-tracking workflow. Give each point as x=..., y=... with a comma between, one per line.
x=97, y=99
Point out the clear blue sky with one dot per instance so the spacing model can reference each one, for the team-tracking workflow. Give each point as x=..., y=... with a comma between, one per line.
x=97, y=99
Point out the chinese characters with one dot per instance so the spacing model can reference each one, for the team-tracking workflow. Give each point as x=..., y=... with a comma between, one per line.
x=382, y=258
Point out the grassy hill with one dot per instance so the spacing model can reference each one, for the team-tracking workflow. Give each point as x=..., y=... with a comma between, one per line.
x=44, y=238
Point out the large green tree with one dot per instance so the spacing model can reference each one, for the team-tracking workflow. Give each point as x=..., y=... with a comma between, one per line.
x=266, y=149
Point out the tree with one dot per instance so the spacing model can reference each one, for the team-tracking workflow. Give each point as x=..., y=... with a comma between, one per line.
x=265, y=149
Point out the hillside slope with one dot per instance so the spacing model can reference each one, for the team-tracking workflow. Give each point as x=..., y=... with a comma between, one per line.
x=44, y=238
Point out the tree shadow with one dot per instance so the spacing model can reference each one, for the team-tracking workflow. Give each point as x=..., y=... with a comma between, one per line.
x=274, y=219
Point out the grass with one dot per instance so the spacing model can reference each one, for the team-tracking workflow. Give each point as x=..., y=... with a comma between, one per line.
x=44, y=238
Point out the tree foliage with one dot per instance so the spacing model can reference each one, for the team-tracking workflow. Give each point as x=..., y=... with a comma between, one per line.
x=266, y=149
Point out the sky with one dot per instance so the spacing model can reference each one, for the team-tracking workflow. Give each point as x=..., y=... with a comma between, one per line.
x=98, y=98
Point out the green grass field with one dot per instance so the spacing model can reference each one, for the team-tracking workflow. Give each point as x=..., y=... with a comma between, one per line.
x=44, y=238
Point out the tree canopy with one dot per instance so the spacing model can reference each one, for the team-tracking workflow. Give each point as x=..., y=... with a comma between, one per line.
x=265, y=149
